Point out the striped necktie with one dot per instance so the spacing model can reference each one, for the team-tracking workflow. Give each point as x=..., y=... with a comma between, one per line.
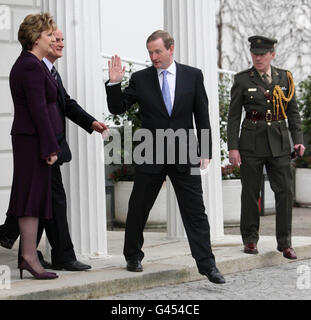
x=54, y=73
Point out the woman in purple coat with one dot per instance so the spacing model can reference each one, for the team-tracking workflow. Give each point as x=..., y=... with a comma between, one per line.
x=35, y=126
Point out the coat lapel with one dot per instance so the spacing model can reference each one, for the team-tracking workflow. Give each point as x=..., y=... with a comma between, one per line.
x=61, y=94
x=49, y=74
x=178, y=87
x=59, y=85
x=256, y=78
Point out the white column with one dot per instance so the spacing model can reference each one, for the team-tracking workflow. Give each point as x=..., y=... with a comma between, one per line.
x=192, y=23
x=84, y=177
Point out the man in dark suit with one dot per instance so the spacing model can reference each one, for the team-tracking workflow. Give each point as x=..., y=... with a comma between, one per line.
x=169, y=95
x=57, y=231
x=268, y=97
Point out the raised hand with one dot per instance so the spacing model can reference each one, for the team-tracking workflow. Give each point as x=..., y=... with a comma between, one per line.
x=116, y=72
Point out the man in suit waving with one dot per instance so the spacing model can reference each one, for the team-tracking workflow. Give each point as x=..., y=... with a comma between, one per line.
x=169, y=95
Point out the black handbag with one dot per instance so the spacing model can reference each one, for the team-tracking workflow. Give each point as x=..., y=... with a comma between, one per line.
x=65, y=154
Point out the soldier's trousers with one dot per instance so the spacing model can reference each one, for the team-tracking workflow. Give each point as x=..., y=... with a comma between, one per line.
x=280, y=177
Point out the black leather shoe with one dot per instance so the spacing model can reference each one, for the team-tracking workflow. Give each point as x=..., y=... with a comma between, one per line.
x=45, y=264
x=72, y=266
x=5, y=242
x=214, y=276
x=134, y=266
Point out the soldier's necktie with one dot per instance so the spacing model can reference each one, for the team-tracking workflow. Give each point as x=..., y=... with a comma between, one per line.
x=166, y=93
x=266, y=78
x=54, y=73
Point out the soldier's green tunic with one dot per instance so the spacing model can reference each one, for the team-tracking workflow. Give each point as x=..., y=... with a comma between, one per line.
x=262, y=143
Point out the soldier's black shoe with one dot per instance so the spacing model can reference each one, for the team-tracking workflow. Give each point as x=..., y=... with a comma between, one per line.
x=134, y=266
x=214, y=276
x=5, y=242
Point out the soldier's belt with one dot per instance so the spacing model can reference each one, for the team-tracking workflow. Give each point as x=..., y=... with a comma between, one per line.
x=266, y=116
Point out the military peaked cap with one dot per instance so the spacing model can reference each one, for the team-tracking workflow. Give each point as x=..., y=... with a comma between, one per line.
x=261, y=45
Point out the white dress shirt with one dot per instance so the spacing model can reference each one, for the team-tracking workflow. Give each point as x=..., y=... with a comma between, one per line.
x=48, y=63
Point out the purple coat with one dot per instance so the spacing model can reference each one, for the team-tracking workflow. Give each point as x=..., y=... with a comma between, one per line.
x=34, y=93
x=35, y=126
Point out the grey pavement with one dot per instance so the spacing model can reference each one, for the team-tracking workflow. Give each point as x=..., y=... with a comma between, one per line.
x=167, y=262
x=291, y=281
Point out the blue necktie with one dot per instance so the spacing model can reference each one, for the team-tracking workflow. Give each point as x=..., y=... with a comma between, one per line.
x=166, y=93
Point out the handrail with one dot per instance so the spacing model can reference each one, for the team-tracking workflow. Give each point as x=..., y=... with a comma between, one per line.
x=148, y=62
x=129, y=60
x=226, y=71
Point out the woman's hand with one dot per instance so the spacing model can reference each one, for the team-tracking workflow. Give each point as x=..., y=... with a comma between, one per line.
x=51, y=160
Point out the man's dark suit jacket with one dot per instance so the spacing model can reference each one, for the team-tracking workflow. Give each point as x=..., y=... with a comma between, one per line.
x=69, y=108
x=190, y=100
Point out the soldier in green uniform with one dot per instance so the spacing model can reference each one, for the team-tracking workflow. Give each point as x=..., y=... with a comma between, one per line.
x=268, y=97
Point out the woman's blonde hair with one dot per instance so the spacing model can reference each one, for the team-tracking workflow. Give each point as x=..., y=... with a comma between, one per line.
x=31, y=28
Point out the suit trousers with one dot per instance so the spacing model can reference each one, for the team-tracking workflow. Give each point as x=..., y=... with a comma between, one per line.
x=10, y=227
x=188, y=189
x=280, y=177
x=57, y=230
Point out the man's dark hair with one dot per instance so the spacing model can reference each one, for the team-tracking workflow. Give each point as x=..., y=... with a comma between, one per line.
x=164, y=35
